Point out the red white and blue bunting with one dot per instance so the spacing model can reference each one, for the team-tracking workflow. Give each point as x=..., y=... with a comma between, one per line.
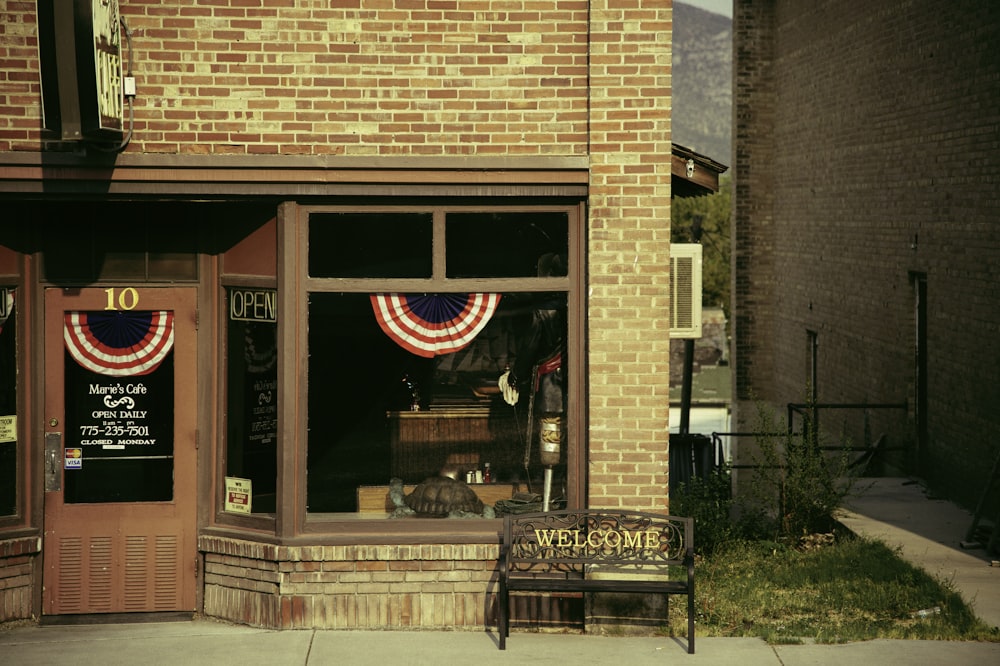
x=119, y=344
x=433, y=324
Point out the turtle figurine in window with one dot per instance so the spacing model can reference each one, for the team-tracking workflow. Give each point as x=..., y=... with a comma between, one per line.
x=438, y=497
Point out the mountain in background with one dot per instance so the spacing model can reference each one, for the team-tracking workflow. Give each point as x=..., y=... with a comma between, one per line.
x=703, y=82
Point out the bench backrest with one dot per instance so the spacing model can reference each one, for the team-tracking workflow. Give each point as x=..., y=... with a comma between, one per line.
x=571, y=540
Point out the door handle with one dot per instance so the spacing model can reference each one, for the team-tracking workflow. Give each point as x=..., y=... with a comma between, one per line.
x=53, y=468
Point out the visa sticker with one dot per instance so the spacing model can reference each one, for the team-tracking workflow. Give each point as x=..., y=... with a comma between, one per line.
x=73, y=459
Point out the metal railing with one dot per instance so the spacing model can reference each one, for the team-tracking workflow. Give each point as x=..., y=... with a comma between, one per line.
x=809, y=412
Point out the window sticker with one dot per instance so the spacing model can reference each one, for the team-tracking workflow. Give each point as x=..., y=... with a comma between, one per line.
x=239, y=494
x=74, y=459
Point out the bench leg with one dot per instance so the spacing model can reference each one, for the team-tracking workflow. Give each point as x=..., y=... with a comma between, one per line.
x=691, y=622
x=503, y=619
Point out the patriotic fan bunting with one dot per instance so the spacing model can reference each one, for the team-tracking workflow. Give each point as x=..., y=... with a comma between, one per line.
x=119, y=344
x=433, y=324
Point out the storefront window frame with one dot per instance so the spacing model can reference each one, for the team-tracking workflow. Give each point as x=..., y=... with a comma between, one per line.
x=253, y=521
x=14, y=522
x=296, y=285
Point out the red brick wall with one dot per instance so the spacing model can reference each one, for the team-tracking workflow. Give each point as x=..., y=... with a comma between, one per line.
x=361, y=77
x=17, y=581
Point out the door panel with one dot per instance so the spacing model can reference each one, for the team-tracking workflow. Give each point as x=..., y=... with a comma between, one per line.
x=120, y=421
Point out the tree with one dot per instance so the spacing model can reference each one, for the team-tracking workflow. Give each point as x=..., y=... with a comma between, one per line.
x=714, y=210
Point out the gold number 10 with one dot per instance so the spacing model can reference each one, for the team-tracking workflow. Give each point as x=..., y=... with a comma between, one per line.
x=128, y=298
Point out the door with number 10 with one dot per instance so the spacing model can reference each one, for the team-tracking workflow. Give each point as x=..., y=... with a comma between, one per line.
x=120, y=461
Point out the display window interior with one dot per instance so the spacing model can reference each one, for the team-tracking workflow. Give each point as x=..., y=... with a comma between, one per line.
x=466, y=379
x=8, y=403
x=252, y=401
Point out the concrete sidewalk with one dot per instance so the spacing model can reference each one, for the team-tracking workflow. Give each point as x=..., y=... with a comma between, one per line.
x=205, y=642
x=897, y=511
x=928, y=533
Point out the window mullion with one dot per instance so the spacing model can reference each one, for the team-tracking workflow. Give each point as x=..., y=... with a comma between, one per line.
x=438, y=266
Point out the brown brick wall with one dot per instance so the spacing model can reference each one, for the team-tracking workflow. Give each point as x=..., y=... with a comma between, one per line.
x=753, y=182
x=880, y=155
x=449, y=78
x=752, y=234
x=335, y=587
x=362, y=77
x=629, y=245
x=423, y=78
x=17, y=583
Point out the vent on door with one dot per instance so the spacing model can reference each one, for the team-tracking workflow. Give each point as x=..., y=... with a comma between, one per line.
x=85, y=576
x=71, y=576
x=685, y=290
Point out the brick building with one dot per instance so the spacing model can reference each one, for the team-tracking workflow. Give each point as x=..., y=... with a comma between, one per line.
x=866, y=230
x=209, y=375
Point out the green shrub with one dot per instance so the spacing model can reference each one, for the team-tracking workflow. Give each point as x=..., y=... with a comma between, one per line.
x=709, y=501
x=797, y=484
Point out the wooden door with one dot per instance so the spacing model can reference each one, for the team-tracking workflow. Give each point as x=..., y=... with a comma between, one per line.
x=120, y=460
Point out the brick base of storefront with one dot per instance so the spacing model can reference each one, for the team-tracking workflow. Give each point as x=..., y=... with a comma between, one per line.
x=17, y=587
x=428, y=586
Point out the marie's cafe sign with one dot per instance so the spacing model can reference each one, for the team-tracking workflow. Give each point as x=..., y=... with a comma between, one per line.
x=79, y=46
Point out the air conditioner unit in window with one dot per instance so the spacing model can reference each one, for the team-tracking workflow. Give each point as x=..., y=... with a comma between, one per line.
x=685, y=290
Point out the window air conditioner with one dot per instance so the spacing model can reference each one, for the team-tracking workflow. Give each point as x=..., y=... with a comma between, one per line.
x=685, y=290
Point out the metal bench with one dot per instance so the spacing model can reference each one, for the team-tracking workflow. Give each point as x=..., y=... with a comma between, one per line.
x=596, y=551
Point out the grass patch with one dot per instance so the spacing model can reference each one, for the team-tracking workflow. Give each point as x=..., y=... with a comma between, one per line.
x=773, y=563
x=836, y=590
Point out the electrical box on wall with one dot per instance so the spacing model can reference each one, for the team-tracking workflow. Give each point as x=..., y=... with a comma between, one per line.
x=685, y=290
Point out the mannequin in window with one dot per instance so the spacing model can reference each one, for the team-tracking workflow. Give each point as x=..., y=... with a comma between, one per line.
x=538, y=372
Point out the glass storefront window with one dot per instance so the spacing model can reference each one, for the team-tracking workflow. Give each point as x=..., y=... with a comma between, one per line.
x=8, y=404
x=407, y=384
x=352, y=245
x=518, y=245
x=252, y=401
